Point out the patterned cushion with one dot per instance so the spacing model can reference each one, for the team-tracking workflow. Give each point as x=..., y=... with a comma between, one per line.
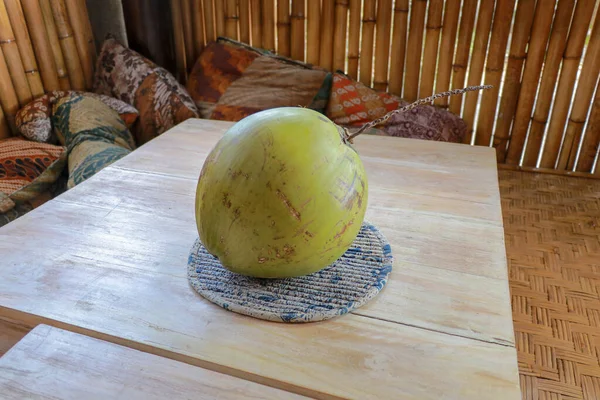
x=33, y=120
x=21, y=209
x=231, y=80
x=161, y=100
x=27, y=169
x=94, y=134
x=353, y=104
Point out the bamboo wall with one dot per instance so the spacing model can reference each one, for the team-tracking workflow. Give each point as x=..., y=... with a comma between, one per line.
x=543, y=60
x=44, y=45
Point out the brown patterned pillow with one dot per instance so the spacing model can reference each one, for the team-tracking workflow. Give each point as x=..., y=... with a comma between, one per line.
x=27, y=170
x=352, y=104
x=231, y=80
x=132, y=78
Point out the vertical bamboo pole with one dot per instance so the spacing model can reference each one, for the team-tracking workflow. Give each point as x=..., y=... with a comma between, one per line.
x=297, y=39
x=566, y=82
x=283, y=27
x=17, y=21
x=313, y=31
x=4, y=128
x=79, y=31
x=67, y=43
x=535, y=57
x=245, y=21
x=339, y=35
x=8, y=96
x=482, y=33
x=382, y=44
x=198, y=24
x=556, y=48
x=179, y=39
x=581, y=104
x=591, y=141
x=449, y=28
x=366, y=52
x=463, y=47
x=432, y=38
x=256, y=23
x=493, y=70
x=209, y=20
x=399, y=46
x=188, y=32
x=41, y=44
x=268, y=23
x=63, y=76
x=219, y=6
x=413, y=48
x=327, y=21
x=231, y=19
x=13, y=58
x=354, y=38
x=512, y=78
x=88, y=32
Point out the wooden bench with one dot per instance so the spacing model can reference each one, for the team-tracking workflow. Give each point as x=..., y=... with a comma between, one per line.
x=58, y=364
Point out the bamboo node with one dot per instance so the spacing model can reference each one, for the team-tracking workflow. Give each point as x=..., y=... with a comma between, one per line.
x=297, y=16
x=68, y=35
x=434, y=27
x=31, y=71
x=6, y=41
x=401, y=10
x=369, y=20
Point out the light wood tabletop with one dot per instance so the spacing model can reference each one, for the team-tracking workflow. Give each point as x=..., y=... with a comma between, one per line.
x=51, y=363
x=108, y=259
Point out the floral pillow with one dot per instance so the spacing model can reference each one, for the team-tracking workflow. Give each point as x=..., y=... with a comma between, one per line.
x=352, y=104
x=34, y=120
x=161, y=100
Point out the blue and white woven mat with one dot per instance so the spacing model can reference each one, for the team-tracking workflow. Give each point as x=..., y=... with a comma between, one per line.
x=351, y=281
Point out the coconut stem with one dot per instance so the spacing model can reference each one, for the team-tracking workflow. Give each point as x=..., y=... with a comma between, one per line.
x=410, y=106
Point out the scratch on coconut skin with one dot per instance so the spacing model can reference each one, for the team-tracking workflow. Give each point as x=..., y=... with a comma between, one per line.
x=226, y=201
x=344, y=228
x=286, y=252
x=303, y=229
x=287, y=203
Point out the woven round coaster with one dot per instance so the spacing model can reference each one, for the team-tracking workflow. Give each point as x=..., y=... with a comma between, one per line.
x=351, y=281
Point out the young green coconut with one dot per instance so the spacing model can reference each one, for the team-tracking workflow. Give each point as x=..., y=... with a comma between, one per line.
x=283, y=193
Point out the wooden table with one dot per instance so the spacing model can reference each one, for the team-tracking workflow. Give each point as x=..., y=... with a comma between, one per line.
x=108, y=259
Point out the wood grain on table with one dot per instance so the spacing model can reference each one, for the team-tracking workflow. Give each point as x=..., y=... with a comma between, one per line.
x=108, y=258
x=51, y=363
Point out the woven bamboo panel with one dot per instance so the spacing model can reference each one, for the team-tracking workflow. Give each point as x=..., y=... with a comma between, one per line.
x=552, y=230
x=45, y=45
x=530, y=51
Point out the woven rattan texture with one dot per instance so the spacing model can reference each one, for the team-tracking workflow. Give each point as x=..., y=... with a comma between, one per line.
x=552, y=229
